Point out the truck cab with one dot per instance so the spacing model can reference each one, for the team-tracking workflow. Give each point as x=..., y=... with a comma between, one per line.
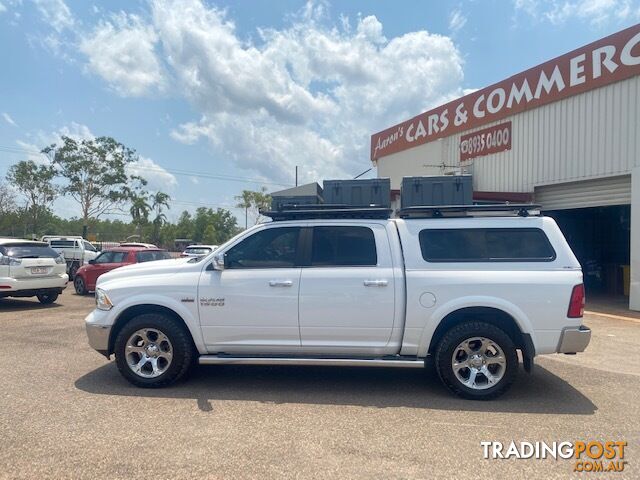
x=356, y=289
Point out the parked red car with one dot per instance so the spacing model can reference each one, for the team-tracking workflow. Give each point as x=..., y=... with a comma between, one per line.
x=87, y=275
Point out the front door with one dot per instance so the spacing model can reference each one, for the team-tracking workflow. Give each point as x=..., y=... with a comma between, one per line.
x=252, y=305
x=347, y=299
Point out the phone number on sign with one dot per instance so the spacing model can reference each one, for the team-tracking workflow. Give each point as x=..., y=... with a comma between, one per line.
x=484, y=142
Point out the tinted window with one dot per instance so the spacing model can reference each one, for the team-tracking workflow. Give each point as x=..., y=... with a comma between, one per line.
x=270, y=248
x=63, y=243
x=486, y=245
x=26, y=250
x=152, y=256
x=119, y=257
x=346, y=246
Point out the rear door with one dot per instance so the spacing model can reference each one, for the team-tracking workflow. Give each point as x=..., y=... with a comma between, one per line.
x=347, y=299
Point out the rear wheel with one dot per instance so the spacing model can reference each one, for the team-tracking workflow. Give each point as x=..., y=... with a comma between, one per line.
x=153, y=350
x=476, y=360
x=47, y=298
x=73, y=269
x=78, y=284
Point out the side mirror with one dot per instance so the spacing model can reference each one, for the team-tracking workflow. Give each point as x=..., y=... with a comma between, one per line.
x=92, y=261
x=219, y=261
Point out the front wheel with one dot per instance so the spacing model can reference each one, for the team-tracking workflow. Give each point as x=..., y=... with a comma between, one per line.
x=79, y=285
x=476, y=360
x=47, y=298
x=153, y=350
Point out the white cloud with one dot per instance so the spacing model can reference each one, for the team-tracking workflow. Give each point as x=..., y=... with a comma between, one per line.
x=310, y=94
x=457, y=20
x=2, y=8
x=596, y=12
x=56, y=13
x=8, y=119
x=122, y=51
x=158, y=179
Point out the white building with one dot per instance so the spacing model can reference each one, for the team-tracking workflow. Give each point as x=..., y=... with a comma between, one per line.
x=564, y=134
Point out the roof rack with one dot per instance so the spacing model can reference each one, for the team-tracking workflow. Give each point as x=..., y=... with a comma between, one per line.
x=309, y=212
x=439, y=211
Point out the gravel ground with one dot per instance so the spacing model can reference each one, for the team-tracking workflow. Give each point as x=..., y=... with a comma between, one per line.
x=65, y=412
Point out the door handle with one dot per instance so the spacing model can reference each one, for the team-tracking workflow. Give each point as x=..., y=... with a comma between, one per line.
x=280, y=283
x=375, y=283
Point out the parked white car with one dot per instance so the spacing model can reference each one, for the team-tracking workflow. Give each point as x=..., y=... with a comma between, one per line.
x=31, y=269
x=469, y=292
x=75, y=250
x=198, y=250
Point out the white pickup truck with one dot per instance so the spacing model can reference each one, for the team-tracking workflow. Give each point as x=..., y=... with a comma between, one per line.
x=75, y=250
x=468, y=291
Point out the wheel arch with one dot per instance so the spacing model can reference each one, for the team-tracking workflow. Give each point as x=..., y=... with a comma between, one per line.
x=513, y=324
x=139, y=309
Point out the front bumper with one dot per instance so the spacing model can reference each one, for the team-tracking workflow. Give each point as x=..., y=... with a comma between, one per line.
x=574, y=339
x=98, y=331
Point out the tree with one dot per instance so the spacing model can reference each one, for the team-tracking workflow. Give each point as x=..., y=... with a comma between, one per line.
x=7, y=202
x=35, y=182
x=96, y=175
x=252, y=202
x=140, y=210
x=158, y=201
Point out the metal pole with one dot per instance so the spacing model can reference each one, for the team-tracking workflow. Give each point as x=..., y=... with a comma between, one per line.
x=296, y=175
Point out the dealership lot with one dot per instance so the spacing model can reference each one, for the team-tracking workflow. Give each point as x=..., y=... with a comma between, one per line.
x=66, y=412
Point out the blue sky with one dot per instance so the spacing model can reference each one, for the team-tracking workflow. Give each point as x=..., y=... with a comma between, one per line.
x=241, y=92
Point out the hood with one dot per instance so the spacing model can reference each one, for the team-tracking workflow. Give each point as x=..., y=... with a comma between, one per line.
x=158, y=267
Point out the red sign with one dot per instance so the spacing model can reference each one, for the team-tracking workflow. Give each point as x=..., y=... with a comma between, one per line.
x=608, y=60
x=486, y=141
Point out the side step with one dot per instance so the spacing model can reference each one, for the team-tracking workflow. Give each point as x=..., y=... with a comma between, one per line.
x=328, y=362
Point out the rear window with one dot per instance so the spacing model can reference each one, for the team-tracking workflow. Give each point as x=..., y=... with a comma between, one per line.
x=343, y=246
x=486, y=245
x=26, y=250
x=152, y=256
x=63, y=243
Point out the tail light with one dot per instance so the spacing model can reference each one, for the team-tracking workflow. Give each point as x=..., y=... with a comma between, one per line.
x=576, y=304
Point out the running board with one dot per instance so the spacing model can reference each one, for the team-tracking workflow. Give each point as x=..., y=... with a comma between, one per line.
x=333, y=362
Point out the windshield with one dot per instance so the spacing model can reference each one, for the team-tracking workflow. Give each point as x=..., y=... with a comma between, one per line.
x=28, y=250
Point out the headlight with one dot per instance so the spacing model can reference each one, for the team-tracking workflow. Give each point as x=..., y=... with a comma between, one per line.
x=60, y=260
x=103, y=302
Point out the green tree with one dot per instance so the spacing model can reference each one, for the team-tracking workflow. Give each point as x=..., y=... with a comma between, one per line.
x=96, y=175
x=159, y=201
x=140, y=210
x=35, y=183
x=252, y=202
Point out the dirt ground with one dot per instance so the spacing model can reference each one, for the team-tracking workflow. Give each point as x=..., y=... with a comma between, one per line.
x=65, y=412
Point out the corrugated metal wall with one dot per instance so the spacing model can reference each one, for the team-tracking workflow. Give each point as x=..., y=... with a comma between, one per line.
x=591, y=135
x=586, y=193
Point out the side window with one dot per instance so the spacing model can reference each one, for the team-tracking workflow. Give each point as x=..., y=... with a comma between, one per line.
x=343, y=246
x=119, y=257
x=89, y=247
x=152, y=256
x=105, y=257
x=270, y=248
x=486, y=245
